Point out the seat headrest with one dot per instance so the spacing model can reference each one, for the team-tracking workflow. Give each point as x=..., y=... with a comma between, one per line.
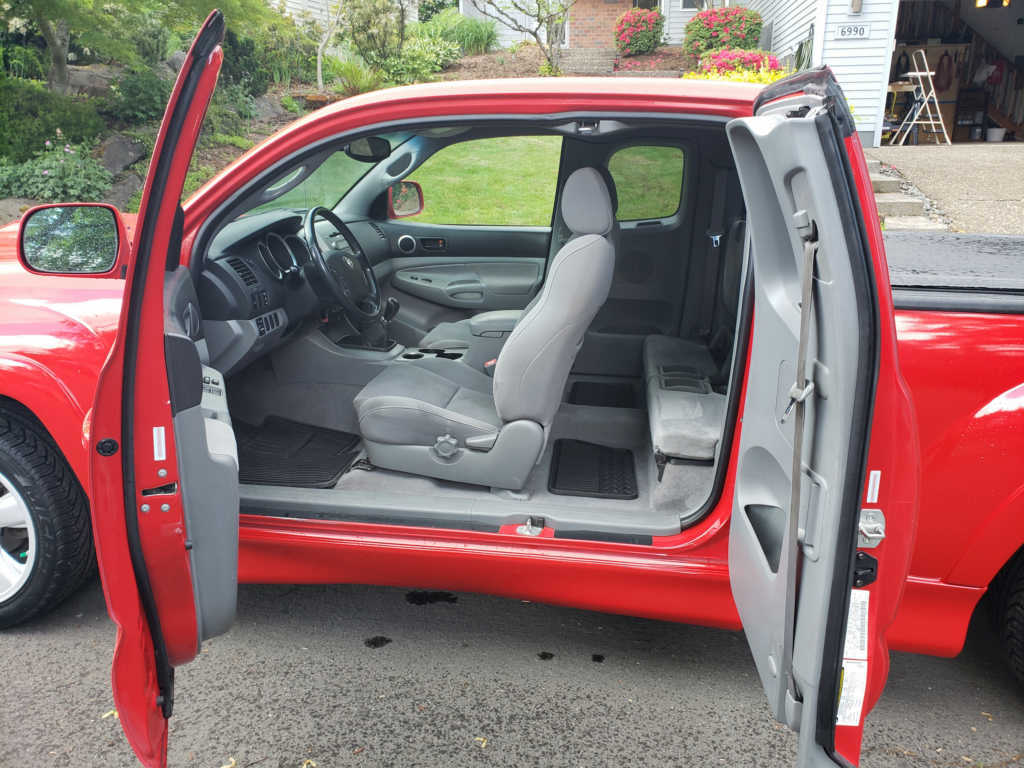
x=587, y=207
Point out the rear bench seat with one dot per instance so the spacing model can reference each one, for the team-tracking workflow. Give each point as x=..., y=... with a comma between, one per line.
x=686, y=380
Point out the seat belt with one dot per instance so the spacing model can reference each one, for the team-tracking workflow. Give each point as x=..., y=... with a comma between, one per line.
x=798, y=394
x=713, y=262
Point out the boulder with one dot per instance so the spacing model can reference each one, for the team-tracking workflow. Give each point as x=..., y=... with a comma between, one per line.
x=176, y=60
x=315, y=99
x=11, y=208
x=119, y=152
x=124, y=189
x=92, y=80
x=268, y=108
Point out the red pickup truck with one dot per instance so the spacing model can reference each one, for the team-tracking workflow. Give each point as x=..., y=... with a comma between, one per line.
x=689, y=393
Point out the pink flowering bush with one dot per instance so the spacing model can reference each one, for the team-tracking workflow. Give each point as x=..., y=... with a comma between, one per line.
x=58, y=171
x=638, y=31
x=738, y=59
x=715, y=28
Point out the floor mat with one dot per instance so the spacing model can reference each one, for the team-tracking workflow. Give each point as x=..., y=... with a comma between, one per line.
x=604, y=393
x=283, y=452
x=587, y=469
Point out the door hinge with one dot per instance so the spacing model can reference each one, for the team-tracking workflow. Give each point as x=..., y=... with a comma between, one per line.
x=870, y=529
x=865, y=570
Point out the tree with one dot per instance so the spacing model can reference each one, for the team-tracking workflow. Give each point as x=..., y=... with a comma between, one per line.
x=326, y=32
x=543, y=20
x=376, y=28
x=102, y=25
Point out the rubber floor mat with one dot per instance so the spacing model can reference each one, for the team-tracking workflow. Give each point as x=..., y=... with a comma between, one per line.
x=586, y=469
x=604, y=393
x=282, y=452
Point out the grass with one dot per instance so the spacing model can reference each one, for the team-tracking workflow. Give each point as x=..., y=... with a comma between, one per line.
x=491, y=182
x=511, y=181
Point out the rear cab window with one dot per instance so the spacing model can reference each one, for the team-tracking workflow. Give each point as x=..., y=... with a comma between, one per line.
x=507, y=181
x=648, y=181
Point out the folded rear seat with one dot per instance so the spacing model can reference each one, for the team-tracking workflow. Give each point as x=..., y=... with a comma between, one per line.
x=686, y=380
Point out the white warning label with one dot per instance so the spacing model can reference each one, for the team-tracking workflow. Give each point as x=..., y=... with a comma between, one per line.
x=851, y=697
x=856, y=646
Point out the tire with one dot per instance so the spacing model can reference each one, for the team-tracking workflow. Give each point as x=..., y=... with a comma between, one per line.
x=53, y=548
x=1009, y=615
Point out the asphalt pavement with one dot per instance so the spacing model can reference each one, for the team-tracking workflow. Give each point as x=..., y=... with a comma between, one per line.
x=368, y=676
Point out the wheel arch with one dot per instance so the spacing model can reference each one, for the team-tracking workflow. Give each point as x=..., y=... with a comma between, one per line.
x=33, y=392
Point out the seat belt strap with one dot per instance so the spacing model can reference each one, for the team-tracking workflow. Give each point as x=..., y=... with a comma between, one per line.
x=801, y=390
x=713, y=262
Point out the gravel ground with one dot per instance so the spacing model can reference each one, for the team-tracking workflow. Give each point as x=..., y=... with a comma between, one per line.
x=980, y=187
x=476, y=681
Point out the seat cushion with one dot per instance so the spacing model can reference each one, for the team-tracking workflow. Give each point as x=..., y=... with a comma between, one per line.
x=685, y=425
x=409, y=405
x=671, y=352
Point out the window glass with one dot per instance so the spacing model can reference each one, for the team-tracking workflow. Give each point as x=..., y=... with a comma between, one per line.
x=506, y=181
x=648, y=181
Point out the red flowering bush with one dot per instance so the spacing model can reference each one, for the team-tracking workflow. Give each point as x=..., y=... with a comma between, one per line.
x=714, y=28
x=736, y=59
x=638, y=31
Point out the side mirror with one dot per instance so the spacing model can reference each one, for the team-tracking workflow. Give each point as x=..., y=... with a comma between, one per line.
x=405, y=198
x=72, y=239
x=371, y=149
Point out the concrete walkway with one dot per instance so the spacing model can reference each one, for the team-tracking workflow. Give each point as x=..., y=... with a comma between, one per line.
x=979, y=186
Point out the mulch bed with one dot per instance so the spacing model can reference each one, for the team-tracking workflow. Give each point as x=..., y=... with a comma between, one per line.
x=524, y=62
x=668, y=57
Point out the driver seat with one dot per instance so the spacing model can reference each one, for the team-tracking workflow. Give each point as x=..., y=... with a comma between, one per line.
x=453, y=422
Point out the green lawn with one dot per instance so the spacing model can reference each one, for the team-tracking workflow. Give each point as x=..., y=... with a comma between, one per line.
x=505, y=181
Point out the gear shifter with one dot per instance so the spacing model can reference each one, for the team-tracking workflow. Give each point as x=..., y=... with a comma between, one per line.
x=390, y=309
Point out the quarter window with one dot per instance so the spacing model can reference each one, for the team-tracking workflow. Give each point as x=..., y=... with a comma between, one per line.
x=648, y=181
x=505, y=181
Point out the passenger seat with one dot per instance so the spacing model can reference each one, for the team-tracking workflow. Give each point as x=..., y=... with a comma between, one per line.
x=687, y=379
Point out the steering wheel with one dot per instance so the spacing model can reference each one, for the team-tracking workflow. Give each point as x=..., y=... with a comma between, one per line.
x=345, y=275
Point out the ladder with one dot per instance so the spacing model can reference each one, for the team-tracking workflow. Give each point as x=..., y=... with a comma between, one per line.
x=925, y=109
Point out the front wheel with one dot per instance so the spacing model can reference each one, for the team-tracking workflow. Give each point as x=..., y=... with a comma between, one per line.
x=46, y=548
x=1007, y=595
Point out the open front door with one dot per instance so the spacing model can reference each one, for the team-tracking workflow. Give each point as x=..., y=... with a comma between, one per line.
x=164, y=475
x=827, y=427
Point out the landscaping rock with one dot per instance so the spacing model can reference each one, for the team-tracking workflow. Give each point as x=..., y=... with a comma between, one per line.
x=92, y=80
x=315, y=99
x=11, y=208
x=176, y=60
x=119, y=152
x=268, y=108
x=124, y=189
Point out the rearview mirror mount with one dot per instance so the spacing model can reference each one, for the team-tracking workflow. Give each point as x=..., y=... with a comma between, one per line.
x=371, y=149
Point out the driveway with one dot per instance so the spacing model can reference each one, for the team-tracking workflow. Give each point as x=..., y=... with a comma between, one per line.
x=365, y=676
x=979, y=186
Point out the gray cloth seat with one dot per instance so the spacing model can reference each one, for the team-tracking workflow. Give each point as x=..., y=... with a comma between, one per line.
x=484, y=334
x=686, y=379
x=454, y=422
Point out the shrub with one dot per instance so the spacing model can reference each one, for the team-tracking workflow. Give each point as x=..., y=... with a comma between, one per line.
x=732, y=27
x=28, y=111
x=230, y=111
x=290, y=105
x=377, y=31
x=244, y=65
x=353, y=77
x=638, y=31
x=733, y=59
x=25, y=61
x=421, y=58
x=430, y=8
x=473, y=36
x=57, y=172
x=137, y=97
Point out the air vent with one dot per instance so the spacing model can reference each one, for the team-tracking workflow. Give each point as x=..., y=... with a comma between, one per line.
x=243, y=270
x=378, y=230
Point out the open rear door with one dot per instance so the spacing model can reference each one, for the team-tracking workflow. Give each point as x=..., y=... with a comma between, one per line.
x=164, y=476
x=828, y=443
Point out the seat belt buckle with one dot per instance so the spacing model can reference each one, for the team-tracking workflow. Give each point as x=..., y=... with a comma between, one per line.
x=716, y=238
x=489, y=366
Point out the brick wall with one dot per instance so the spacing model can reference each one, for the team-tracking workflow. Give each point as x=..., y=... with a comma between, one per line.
x=592, y=22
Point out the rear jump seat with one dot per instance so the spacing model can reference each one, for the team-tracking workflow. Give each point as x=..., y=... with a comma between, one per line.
x=686, y=380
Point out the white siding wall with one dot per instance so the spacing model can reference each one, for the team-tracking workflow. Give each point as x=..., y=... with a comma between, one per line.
x=862, y=66
x=676, y=19
x=791, y=22
x=506, y=35
x=317, y=9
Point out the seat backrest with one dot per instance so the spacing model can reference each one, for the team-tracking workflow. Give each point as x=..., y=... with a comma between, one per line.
x=535, y=362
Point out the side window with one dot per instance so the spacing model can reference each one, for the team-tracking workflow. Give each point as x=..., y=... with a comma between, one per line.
x=648, y=181
x=506, y=181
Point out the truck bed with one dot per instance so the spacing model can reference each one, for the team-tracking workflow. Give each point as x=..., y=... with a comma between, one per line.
x=943, y=271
